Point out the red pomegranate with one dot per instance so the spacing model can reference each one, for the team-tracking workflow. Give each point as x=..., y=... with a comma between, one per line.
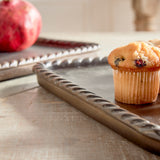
x=20, y=25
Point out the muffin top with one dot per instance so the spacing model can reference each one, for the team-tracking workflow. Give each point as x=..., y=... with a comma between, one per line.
x=136, y=56
x=154, y=42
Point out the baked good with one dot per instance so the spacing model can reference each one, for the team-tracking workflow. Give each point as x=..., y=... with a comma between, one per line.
x=156, y=43
x=136, y=72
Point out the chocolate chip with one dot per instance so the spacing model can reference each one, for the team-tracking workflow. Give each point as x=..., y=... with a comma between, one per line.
x=140, y=63
x=116, y=62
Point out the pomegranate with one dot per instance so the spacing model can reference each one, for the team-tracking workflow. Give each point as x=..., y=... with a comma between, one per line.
x=20, y=25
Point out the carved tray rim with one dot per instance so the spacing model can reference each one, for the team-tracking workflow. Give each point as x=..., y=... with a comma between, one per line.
x=21, y=67
x=83, y=47
x=137, y=129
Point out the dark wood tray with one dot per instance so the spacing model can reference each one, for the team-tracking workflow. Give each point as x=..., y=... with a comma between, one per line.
x=17, y=64
x=87, y=84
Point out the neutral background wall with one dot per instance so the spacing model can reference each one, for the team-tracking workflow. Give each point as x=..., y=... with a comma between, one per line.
x=86, y=15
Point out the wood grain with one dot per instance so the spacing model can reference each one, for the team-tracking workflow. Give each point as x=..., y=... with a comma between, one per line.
x=37, y=125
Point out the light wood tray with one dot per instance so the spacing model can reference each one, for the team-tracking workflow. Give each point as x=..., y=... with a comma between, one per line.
x=18, y=64
x=87, y=85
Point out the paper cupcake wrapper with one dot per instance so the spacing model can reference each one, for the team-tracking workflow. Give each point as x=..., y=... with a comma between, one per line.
x=159, y=82
x=136, y=87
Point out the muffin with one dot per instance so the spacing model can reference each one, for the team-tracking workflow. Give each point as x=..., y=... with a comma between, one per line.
x=156, y=43
x=135, y=73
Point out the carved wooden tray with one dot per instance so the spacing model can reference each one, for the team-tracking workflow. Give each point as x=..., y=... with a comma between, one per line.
x=87, y=84
x=20, y=63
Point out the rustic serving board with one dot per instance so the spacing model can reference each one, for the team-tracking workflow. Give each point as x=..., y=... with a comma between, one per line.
x=87, y=85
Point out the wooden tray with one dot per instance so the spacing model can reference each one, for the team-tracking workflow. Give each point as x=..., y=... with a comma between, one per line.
x=87, y=84
x=20, y=63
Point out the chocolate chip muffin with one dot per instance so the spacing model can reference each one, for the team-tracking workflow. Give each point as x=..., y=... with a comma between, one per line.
x=135, y=71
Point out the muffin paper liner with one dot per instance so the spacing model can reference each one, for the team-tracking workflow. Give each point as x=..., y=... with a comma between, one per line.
x=136, y=87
